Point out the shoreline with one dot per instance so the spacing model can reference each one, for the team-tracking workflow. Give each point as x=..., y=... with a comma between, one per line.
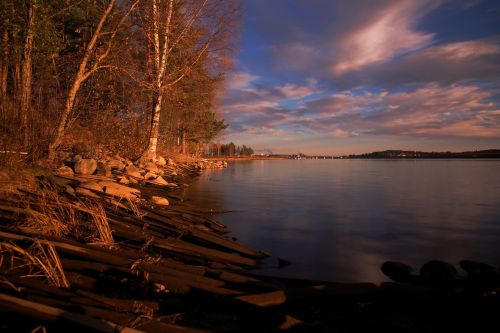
x=170, y=267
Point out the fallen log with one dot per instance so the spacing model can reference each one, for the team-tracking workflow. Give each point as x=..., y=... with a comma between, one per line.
x=45, y=312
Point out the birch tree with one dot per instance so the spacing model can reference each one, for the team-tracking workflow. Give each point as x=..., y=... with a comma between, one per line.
x=170, y=24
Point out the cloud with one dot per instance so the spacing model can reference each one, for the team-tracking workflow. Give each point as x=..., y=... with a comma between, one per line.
x=429, y=111
x=390, y=33
x=240, y=80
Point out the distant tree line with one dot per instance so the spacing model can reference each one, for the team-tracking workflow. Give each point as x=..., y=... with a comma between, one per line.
x=228, y=149
x=133, y=75
x=490, y=153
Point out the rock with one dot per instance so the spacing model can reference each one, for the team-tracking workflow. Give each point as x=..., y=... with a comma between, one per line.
x=151, y=167
x=77, y=158
x=85, y=192
x=159, y=181
x=119, y=190
x=133, y=181
x=397, y=271
x=86, y=166
x=82, y=149
x=484, y=281
x=438, y=273
x=123, y=180
x=133, y=171
x=68, y=189
x=64, y=171
x=116, y=165
x=103, y=169
x=161, y=201
x=472, y=267
x=150, y=175
x=170, y=162
x=160, y=161
x=91, y=185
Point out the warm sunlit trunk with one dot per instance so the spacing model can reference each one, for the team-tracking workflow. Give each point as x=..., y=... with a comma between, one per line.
x=80, y=77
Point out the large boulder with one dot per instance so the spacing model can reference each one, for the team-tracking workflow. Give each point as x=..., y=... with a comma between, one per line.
x=397, y=271
x=119, y=190
x=85, y=166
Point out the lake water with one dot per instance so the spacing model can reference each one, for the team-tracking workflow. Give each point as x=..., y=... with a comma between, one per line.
x=339, y=220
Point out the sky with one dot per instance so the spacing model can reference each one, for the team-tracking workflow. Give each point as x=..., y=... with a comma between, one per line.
x=351, y=76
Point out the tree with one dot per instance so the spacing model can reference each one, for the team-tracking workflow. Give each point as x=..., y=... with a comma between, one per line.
x=186, y=29
x=90, y=62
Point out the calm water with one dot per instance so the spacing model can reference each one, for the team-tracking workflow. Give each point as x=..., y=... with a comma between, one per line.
x=340, y=220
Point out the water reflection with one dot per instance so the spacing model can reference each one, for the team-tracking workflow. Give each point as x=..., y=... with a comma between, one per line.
x=340, y=219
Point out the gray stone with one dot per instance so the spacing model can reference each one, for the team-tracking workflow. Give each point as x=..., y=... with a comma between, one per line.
x=64, y=171
x=86, y=166
x=159, y=201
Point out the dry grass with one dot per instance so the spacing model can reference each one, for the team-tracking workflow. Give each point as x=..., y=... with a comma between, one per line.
x=97, y=215
x=51, y=213
x=41, y=259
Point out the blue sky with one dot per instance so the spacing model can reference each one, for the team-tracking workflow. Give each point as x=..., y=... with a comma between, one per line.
x=348, y=76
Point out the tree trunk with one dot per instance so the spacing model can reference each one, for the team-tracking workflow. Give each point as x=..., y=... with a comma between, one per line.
x=4, y=67
x=82, y=75
x=26, y=76
x=183, y=142
x=160, y=52
x=150, y=153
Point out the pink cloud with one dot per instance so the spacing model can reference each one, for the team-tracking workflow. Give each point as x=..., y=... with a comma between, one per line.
x=389, y=33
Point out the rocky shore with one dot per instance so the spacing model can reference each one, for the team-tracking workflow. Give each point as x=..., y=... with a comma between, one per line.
x=109, y=245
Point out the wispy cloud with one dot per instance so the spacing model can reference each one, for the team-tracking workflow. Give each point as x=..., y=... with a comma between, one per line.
x=390, y=33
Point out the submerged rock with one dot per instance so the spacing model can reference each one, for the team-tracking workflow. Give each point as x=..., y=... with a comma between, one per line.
x=438, y=273
x=397, y=271
x=472, y=267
